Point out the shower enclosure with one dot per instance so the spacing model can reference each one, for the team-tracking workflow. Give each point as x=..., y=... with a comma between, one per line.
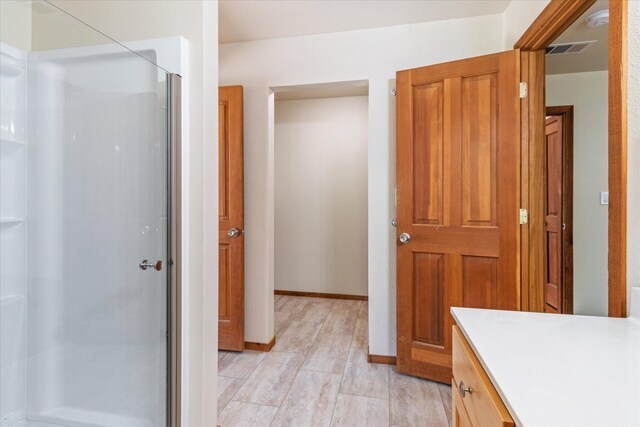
x=85, y=262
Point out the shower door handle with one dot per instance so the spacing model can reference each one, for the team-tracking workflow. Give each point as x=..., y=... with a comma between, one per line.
x=145, y=264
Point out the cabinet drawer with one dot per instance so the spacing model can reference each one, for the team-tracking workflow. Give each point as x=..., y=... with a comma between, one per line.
x=483, y=405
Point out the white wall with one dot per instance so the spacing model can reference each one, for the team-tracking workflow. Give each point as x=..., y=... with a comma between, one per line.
x=587, y=92
x=633, y=155
x=517, y=17
x=321, y=195
x=374, y=55
x=15, y=24
x=196, y=21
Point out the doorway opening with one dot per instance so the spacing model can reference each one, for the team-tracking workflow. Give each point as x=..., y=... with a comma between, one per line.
x=576, y=221
x=320, y=208
x=552, y=24
x=321, y=192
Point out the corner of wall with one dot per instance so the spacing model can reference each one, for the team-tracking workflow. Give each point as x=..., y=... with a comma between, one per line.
x=209, y=103
x=517, y=17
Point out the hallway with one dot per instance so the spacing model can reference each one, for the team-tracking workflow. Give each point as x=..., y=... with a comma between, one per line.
x=317, y=374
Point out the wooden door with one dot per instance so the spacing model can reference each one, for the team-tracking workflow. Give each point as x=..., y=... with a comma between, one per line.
x=458, y=195
x=553, y=218
x=231, y=219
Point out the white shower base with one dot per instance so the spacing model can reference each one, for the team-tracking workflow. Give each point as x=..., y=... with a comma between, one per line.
x=34, y=424
x=74, y=417
x=103, y=385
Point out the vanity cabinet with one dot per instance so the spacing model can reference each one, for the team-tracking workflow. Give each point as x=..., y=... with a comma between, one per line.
x=475, y=400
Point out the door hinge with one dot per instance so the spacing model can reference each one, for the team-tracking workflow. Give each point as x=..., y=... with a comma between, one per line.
x=524, y=216
x=523, y=89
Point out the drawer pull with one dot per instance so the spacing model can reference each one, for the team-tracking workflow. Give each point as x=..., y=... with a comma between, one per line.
x=464, y=390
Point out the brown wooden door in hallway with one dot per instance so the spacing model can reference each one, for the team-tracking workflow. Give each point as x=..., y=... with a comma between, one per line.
x=231, y=219
x=458, y=200
x=558, y=292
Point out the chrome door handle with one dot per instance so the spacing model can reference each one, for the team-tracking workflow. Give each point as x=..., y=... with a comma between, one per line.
x=464, y=390
x=404, y=238
x=234, y=232
x=145, y=264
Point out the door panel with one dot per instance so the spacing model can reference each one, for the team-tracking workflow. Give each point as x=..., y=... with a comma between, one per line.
x=230, y=217
x=479, y=282
x=478, y=150
x=458, y=151
x=428, y=288
x=223, y=287
x=554, y=220
x=428, y=208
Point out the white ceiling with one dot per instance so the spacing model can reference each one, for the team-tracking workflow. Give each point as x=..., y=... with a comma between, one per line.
x=244, y=20
x=593, y=58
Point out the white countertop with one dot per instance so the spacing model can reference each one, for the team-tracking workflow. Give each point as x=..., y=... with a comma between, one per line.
x=559, y=370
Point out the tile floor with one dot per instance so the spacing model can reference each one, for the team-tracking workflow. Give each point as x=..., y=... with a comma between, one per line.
x=317, y=375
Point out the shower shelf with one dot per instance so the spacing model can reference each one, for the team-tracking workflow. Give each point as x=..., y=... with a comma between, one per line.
x=11, y=298
x=8, y=146
x=10, y=66
x=11, y=220
x=15, y=142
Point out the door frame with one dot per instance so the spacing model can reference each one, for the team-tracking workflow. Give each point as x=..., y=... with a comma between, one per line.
x=566, y=112
x=552, y=21
x=174, y=264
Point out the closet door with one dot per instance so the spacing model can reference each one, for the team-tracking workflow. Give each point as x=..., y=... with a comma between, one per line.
x=231, y=220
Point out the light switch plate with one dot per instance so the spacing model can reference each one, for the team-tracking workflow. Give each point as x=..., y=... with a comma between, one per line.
x=604, y=197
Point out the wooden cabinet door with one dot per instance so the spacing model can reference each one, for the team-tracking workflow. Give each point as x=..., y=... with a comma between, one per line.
x=459, y=414
x=458, y=196
x=231, y=219
x=553, y=220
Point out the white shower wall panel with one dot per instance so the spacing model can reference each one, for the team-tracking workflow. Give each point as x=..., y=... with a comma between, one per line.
x=13, y=234
x=13, y=101
x=13, y=319
x=46, y=240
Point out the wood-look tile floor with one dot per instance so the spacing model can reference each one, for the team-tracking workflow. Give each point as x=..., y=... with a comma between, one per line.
x=317, y=375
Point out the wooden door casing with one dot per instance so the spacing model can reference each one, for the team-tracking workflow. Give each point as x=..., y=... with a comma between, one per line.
x=231, y=215
x=458, y=195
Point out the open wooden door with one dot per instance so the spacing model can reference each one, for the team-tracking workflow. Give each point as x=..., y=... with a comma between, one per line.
x=231, y=219
x=558, y=291
x=458, y=200
x=553, y=219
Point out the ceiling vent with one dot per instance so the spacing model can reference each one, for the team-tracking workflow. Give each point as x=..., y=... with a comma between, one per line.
x=568, y=48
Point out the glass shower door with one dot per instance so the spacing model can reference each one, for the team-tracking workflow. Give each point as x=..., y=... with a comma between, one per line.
x=85, y=309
